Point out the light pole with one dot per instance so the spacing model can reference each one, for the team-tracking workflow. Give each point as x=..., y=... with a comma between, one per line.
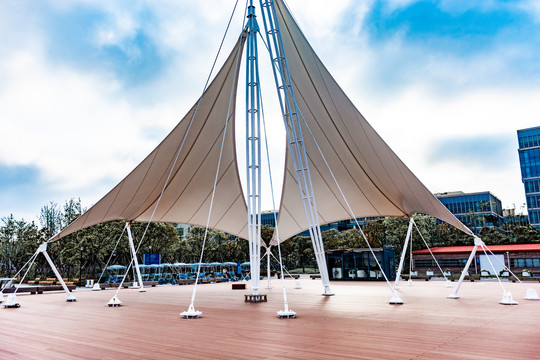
x=80, y=268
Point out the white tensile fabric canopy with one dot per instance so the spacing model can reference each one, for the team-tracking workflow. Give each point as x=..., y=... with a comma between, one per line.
x=374, y=180
x=187, y=195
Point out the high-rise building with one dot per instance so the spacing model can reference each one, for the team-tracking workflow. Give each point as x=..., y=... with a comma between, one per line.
x=529, y=159
x=475, y=210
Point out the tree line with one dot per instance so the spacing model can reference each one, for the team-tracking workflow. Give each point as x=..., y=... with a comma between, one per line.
x=86, y=252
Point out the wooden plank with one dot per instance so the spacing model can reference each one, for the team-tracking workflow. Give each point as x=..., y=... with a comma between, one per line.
x=356, y=323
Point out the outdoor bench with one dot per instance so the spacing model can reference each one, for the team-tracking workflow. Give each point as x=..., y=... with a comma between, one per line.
x=294, y=276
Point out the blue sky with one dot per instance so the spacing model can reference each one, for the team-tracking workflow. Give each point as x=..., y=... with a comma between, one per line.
x=88, y=88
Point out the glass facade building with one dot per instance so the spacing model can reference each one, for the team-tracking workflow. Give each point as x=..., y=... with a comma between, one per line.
x=359, y=264
x=475, y=210
x=267, y=218
x=529, y=159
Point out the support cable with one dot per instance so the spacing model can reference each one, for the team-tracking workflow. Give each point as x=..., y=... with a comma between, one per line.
x=284, y=268
x=112, y=252
x=31, y=261
x=531, y=293
x=490, y=263
x=191, y=312
x=293, y=128
x=26, y=273
x=182, y=143
x=285, y=302
x=506, y=267
x=395, y=296
x=427, y=246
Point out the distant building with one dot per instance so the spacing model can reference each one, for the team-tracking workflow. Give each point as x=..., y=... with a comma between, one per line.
x=183, y=230
x=516, y=257
x=510, y=218
x=268, y=217
x=529, y=159
x=475, y=210
x=359, y=264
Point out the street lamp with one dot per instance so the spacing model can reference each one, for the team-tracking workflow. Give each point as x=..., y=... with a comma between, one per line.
x=80, y=268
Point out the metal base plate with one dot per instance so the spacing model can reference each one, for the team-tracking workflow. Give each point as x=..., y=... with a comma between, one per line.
x=191, y=314
x=114, y=302
x=11, y=302
x=396, y=300
x=11, y=306
x=531, y=295
x=255, y=298
x=328, y=291
x=289, y=314
x=507, y=299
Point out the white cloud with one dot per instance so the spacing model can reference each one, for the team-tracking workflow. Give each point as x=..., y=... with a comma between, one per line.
x=86, y=130
x=393, y=5
x=323, y=17
x=531, y=7
x=415, y=120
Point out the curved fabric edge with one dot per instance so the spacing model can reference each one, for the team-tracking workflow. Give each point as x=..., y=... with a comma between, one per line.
x=375, y=181
x=186, y=195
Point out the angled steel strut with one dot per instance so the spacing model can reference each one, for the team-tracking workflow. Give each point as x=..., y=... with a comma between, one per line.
x=295, y=139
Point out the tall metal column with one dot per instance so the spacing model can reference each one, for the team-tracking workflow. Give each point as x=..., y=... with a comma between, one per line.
x=295, y=138
x=253, y=149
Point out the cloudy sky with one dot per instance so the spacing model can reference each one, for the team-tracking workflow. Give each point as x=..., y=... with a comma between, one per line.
x=89, y=87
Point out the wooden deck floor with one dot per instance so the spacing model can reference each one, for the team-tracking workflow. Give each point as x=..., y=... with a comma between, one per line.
x=357, y=323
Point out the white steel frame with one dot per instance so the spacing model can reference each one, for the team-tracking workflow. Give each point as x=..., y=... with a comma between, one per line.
x=134, y=257
x=253, y=150
x=295, y=139
x=477, y=242
x=403, y=253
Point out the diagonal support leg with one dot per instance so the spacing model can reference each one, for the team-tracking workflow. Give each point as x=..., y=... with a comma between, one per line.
x=43, y=249
x=477, y=242
x=134, y=256
x=403, y=253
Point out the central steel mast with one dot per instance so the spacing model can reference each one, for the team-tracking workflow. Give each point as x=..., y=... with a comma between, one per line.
x=295, y=139
x=253, y=150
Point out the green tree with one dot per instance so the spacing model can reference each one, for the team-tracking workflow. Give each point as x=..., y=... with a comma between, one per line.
x=18, y=242
x=375, y=232
x=51, y=218
x=72, y=210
